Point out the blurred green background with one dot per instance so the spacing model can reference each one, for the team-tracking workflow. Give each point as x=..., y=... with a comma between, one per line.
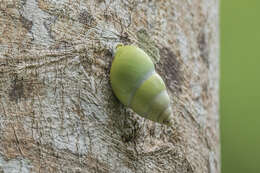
x=240, y=86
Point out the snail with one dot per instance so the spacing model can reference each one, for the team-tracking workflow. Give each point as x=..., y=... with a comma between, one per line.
x=137, y=85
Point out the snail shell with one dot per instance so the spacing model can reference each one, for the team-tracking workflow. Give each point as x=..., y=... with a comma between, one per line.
x=137, y=85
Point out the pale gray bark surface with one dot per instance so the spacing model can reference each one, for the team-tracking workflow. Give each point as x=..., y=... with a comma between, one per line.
x=57, y=110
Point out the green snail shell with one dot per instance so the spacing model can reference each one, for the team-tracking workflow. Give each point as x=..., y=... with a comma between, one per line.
x=137, y=85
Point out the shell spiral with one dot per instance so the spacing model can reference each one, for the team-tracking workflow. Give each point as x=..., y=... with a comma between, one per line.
x=137, y=85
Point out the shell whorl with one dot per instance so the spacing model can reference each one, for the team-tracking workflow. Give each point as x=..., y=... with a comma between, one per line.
x=139, y=84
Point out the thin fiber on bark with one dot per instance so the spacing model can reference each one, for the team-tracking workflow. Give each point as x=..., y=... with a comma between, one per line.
x=57, y=109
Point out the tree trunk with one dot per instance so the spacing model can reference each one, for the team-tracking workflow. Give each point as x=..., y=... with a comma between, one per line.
x=57, y=109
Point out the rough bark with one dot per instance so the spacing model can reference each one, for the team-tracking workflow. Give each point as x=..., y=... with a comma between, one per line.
x=57, y=110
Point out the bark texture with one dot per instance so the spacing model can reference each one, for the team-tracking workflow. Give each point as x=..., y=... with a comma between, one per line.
x=57, y=109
